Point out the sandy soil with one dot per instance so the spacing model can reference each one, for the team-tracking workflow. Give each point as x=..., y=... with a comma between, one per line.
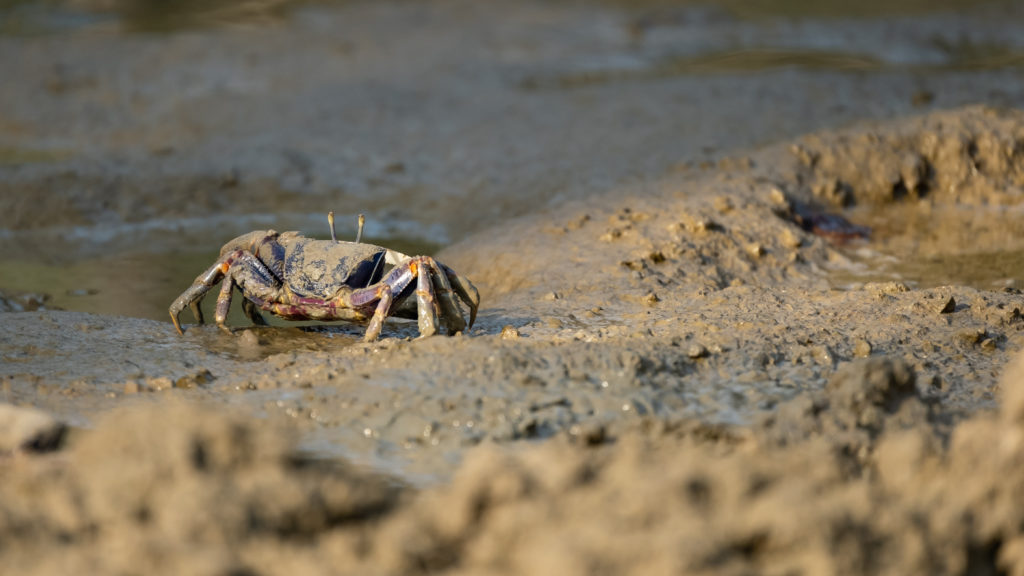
x=685, y=362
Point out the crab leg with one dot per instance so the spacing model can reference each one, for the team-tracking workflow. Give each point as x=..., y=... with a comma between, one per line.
x=224, y=303
x=379, y=314
x=195, y=292
x=426, y=303
x=453, y=319
x=384, y=293
x=252, y=312
x=466, y=291
x=236, y=267
x=197, y=310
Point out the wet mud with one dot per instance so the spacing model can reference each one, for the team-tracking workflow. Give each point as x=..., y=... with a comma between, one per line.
x=796, y=352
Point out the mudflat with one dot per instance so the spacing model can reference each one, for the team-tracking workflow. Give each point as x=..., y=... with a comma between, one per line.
x=750, y=299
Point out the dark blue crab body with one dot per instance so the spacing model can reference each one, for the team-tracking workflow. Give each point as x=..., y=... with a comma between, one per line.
x=320, y=271
x=300, y=278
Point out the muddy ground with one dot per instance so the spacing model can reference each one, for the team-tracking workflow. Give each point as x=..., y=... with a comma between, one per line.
x=750, y=292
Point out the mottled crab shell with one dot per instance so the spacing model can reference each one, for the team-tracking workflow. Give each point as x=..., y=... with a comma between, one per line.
x=318, y=268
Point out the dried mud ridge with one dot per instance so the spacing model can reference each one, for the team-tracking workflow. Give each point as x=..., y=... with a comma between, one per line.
x=709, y=403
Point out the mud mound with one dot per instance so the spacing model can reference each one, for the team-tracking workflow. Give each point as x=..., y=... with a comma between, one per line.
x=174, y=490
x=974, y=156
x=944, y=188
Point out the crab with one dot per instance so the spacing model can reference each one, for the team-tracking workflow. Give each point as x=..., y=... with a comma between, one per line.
x=300, y=278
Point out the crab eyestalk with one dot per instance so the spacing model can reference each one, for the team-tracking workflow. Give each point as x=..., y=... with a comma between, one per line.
x=359, y=231
x=330, y=220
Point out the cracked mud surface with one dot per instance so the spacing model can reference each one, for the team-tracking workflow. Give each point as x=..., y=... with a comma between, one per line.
x=696, y=367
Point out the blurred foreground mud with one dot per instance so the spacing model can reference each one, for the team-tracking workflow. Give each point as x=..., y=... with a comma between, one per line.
x=857, y=479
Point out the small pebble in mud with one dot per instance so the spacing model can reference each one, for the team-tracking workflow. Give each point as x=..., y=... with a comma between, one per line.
x=651, y=299
x=949, y=307
x=790, y=239
x=755, y=250
x=697, y=351
x=862, y=349
x=161, y=383
x=509, y=333
x=778, y=197
x=551, y=296
x=823, y=355
x=703, y=224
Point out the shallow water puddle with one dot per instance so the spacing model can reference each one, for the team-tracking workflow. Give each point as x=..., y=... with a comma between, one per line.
x=925, y=246
x=137, y=285
x=985, y=271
